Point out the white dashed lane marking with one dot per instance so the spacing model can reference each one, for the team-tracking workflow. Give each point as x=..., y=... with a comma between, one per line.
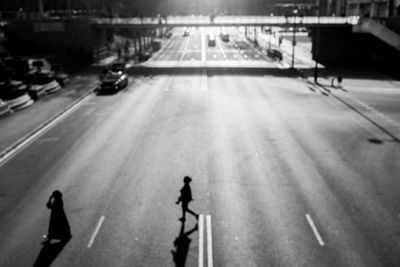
x=315, y=230
x=96, y=231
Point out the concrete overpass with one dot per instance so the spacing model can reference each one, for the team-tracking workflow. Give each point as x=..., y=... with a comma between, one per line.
x=227, y=21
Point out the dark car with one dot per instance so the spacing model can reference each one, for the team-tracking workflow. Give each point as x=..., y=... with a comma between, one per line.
x=114, y=81
x=116, y=67
x=276, y=54
x=224, y=36
x=211, y=40
x=185, y=32
x=144, y=56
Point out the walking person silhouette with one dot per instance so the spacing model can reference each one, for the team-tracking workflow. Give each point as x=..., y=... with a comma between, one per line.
x=185, y=198
x=59, y=228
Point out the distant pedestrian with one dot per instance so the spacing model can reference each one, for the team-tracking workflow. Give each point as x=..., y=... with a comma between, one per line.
x=339, y=80
x=185, y=198
x=59, y=228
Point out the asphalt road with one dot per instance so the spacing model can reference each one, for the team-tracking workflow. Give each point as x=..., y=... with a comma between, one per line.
x=285, y=173
x=194, y=47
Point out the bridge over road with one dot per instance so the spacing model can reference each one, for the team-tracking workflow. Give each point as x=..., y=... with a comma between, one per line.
x=206, y=21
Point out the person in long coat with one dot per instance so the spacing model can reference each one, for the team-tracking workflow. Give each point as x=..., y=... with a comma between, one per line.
x=59, y=226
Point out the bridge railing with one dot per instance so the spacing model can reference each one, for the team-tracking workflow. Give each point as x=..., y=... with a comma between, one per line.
x=227, y=20
x=284, y=20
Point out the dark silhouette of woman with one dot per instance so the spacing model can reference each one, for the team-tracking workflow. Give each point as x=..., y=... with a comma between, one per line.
x=58, y=227
x=185, y=198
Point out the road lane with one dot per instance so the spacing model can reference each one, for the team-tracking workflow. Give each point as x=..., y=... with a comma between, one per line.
x=277, y=164
x=317, y=181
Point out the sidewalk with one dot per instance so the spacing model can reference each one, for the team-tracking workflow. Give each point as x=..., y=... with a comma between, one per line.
x=19, y=125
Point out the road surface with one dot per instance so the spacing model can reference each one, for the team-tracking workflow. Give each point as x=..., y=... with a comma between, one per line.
x=285, y=173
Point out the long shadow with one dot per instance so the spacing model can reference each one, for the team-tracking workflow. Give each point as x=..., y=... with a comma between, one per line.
x=383, y=129
x=49, y=253
x=182, y=244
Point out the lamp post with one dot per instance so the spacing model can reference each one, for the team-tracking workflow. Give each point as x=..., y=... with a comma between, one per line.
x=295, y=12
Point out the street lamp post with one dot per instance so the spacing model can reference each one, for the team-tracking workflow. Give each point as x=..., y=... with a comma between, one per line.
x=295, y=11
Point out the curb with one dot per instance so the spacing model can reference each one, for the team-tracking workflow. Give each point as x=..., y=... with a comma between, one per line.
x=19, y=144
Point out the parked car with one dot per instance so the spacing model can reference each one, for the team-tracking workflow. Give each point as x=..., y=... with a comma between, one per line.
x=275, y=54
x=113, y=81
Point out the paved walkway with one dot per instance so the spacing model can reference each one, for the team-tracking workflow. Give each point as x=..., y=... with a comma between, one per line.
x=16, y=126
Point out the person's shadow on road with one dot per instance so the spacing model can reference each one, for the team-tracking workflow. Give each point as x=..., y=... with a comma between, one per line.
x=49, y=253
x=181, y=244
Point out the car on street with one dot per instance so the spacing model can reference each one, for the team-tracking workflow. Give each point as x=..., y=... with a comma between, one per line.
x=113, y=81
x=224, y=36
x=118, y=66
x=211, y=40
x=185, y=32
x=275, y=54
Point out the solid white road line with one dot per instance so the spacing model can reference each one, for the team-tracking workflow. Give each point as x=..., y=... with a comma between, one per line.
x=315, y=230
x=201, y=241
x=96, y=231
x=209, y=242
x=35, y=134
x=204, y=86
